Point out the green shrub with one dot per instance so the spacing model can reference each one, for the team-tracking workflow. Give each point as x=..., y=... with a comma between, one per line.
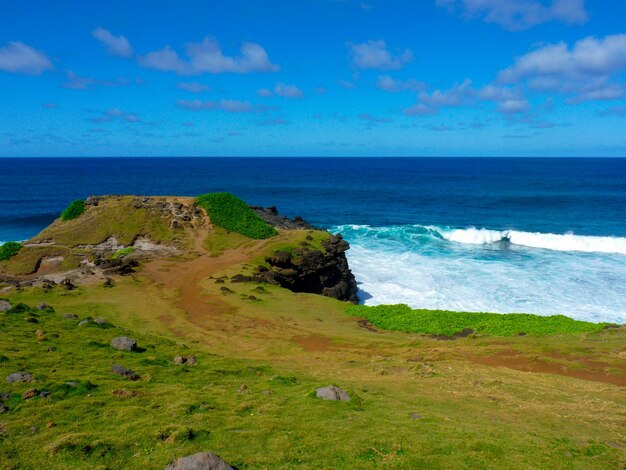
x=123, y=252
x=438, y=322
x=74, y=210
x=234, y=215
x=9, y=250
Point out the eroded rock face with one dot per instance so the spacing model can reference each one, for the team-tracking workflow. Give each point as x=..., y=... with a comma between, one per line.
x=199, y=461
x=313, y=271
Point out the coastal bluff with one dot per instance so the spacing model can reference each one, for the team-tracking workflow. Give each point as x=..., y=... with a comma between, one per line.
x=108, y=236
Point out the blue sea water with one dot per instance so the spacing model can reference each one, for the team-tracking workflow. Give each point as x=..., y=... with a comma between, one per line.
x=543, y=236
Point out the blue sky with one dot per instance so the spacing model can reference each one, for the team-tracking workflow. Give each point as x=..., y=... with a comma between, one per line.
x=313, y=77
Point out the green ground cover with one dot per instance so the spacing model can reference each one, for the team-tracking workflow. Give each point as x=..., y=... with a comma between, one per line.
x=438, y=322
x=74, y=210
x=9, y=249
x=233, y=214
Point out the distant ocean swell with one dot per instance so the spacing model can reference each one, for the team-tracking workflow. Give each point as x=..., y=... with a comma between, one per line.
x=505, y=271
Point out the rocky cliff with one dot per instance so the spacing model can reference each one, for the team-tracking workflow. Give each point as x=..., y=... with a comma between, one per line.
x=317, y=271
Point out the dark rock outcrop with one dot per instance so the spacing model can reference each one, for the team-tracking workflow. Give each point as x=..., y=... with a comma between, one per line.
x=271, y=216
x=313, y=271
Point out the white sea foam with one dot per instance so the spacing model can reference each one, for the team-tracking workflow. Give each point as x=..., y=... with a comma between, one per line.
x=549, y=241
x=421, y=267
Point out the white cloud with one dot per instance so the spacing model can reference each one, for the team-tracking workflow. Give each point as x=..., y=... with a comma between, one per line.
x=285, y=91
x=229, y=106
x=509, y=101
x=456, y=96
x=76, y=82
x=387, y=83
x=17, y=57
x=518, y=15
x=584, y=70
x=193, y=87
x=207, y=57
x=587, y=58
x=345, y=84
x=115, y=45
x=513, y=106
x=117, y=114
x=374, y=55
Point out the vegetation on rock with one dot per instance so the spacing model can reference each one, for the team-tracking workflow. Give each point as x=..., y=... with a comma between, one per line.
x=123, y=252
x=74, y=210
x=231, y=213
x=9, y=250
x=439, y=322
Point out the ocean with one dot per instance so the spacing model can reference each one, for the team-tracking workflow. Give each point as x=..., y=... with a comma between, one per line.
x=534, y=235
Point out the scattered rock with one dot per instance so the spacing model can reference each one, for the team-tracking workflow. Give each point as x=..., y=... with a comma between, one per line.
x=332, y=393
x=125, y=372
x=240, y=278
x=108, y=282
x=84, y=322
x=225, y=290
x=199, y=461
x=72, y=384
x=30, y=393
x=46, y=307
x=70, y=316
x=191, y=360
x=415, y=416
x=100, y=321
x=44, y=394
x=243, y=388
x=179, y=360
x=4, y=305
x=125, y=394
x=219, y=281
x=124, y=343
x=67, y=284
x=20, y=377
x=4, y=397
x=34, y=429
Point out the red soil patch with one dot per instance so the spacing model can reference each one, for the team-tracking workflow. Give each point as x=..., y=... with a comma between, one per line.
x=594, y=371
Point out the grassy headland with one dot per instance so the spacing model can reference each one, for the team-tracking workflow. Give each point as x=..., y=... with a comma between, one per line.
x=491, y=400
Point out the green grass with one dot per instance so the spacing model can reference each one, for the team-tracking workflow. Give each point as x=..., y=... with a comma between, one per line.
x=74, y=210
x=233, y=214
x=438, y=322
x=9, y=249
x=123, y=252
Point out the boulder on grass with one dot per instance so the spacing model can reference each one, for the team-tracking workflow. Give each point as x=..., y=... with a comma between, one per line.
x=200, y=461
x=20, y=377
x=4, y=305
x=332, y=393
x=124, y=343
x=125, y=372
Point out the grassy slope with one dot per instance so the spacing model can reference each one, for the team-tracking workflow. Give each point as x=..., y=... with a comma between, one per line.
x=113, y=216
x=473, y=415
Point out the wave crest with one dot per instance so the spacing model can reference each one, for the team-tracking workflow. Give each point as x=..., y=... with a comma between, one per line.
x=483, y=236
